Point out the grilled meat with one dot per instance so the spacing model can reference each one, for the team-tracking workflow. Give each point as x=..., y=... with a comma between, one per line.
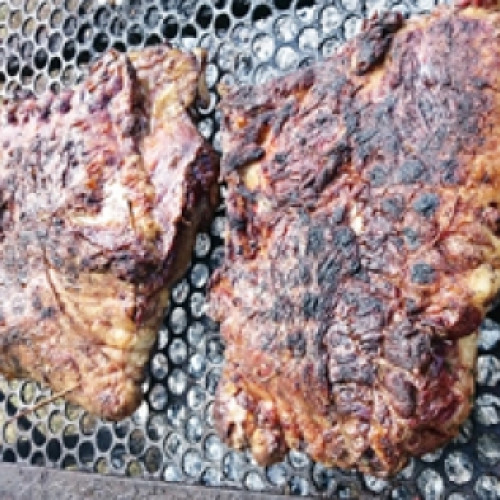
x=102, y=190
x=363, y=246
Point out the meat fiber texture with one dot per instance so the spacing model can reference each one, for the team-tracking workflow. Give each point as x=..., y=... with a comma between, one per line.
x=102, y=189
x=362, y=248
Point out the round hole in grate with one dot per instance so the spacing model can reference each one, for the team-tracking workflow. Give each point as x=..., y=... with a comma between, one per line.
x=487, y=487
x=158, y=397
x=39, y=434
x=101, y=465
x=204, y=16
x=153, y=39
x=38, y=459
x=180, y=291
x=215, y=350
x=233, y=466
x=56, y=422
x=102, y=17
x=196, y=397
x=69, y=26
x=173, y=445
x=43, y=11
x=15, y=19
x=458, y=467
x=68, y=76
x=12, y=66
x=323, y=478
x=70, y=436
x=170, y=27
x=194, y=429
x=137, y=442
x=69, y=463
x=83, y=59
x=104, y=439
x=121, y=428
x=213, y=447
x=41, y=58
x=23, y=423
x=88, y=424
x=56, y=18
x=240, y=8
x=153, y=459
x=217, y=255
x=13, y=88
x=430, y=484
x=27, y=49
x=84, y=33
x=260, y=15
x=72, y=411
x=254, y=482
x=305, y=10
x=53, y=450
x=86, y=453
x=172, y=473
x=101, y=42
x=157, y=427
x=28, y=27
x=41, y=35
x=211, y=477
x=12, y=405
x=9, y=456
x=222, y=25
x=178, y=320
x=71, y=5
x=159, y=364
x=176, y=414
x=188, y=35
x=133, y=469
x=197, y=366
x=152, y=17
x=23, y=447
x=177, y=352
x=195, y=334
x=212, y=381
x=197, y=304
x=352, y=26
x=135, y=35
x=488, y=448
x=69, y=50
x=118, y=454
x=55, y=42
x=120, y=46
x=177, y=381
x=298, y=460
x=192, y=463
x=298, y=486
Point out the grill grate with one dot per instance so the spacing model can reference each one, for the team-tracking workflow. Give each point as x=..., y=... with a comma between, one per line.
x=171, y=437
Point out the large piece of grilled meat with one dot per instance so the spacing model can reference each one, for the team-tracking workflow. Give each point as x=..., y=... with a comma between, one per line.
x=363, y=245
x=102, y=189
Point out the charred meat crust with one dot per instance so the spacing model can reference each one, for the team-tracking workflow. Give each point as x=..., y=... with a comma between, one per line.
x=361, y=249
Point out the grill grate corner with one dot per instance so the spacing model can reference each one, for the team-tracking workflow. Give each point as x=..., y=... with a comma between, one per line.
x=48, y=45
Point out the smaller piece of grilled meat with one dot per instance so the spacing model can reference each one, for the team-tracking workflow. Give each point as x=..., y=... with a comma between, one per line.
x=363, y=246
x=102, y=190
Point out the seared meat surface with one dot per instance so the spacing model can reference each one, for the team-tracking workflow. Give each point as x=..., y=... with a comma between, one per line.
x=102, y=189
x=363, y=246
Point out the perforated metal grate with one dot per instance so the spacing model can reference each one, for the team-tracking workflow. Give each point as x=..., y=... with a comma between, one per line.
x=171, y=437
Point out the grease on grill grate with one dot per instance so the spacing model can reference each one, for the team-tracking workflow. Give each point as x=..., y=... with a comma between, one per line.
x=49, y=44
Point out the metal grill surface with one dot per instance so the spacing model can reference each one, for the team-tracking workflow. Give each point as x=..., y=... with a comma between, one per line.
x=49, y=44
